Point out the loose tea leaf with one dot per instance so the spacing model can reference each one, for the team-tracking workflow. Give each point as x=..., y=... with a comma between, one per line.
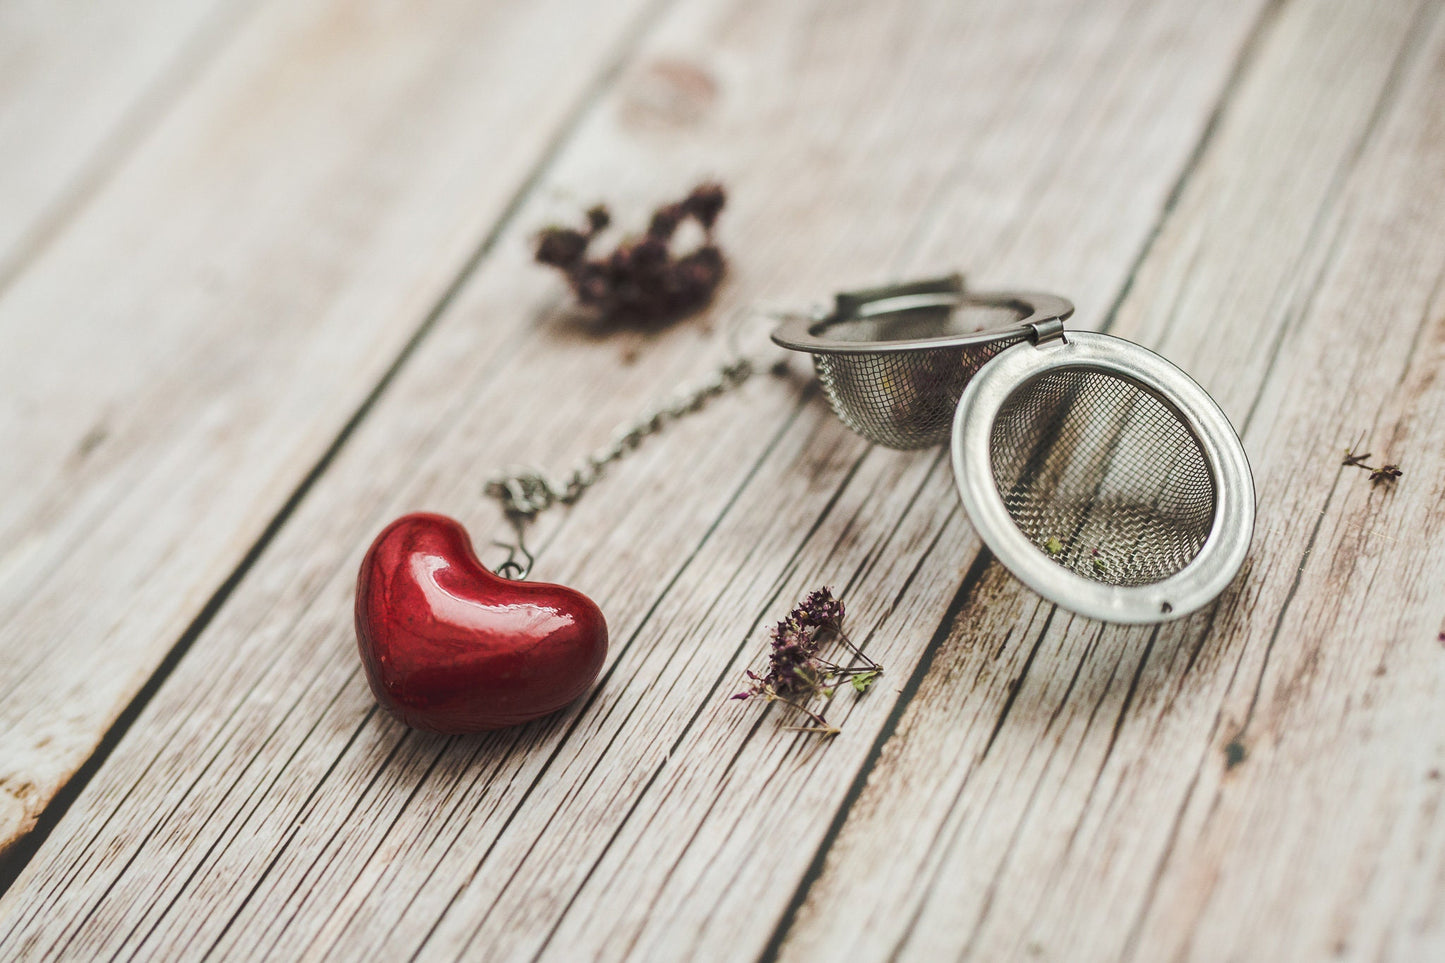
x=863, y=680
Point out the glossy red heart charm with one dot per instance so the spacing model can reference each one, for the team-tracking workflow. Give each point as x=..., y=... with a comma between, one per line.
x=451, y=647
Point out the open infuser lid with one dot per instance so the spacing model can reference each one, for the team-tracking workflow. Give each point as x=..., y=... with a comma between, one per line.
x=1101, y=475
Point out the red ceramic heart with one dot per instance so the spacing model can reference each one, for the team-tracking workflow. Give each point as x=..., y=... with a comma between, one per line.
x=450, y=647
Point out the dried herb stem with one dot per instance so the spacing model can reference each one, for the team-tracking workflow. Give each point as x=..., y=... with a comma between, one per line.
x=798, y=673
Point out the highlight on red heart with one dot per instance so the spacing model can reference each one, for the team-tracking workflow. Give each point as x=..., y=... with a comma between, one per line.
x=452, y=647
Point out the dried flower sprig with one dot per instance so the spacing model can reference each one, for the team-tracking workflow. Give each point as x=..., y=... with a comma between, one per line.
x=642, y=281
x=1385, y=473
x=798, y=674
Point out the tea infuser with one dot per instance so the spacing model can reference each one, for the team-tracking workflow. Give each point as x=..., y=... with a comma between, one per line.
x=893, y=361
x=1100, y=474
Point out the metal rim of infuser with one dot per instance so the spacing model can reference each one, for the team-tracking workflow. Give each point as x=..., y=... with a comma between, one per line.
x=1103, y=477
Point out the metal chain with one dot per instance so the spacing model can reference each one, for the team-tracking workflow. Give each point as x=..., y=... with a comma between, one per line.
x=525, y=493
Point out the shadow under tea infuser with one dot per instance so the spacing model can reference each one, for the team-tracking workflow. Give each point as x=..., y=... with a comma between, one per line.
x=1101, y=475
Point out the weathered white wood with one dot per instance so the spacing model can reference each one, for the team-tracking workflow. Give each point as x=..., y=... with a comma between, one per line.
x=79, y=84
x=183, y=354
x=260, y=806
x=1262, y=781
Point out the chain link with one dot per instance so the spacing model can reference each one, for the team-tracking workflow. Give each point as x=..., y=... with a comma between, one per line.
x=525, y=493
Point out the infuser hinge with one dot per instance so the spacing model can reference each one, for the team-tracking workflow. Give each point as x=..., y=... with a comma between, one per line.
x=1049, y=329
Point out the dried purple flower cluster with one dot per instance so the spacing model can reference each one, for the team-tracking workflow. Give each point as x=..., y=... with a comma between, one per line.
x=642, y=280
x=797, y=672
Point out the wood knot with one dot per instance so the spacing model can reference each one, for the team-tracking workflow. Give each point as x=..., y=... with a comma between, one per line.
x=1234, y=754
x=667, y=94
x=93, y=439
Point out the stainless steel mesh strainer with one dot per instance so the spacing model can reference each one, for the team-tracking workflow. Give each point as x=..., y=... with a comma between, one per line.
x=1097, y=472
x=893, y=361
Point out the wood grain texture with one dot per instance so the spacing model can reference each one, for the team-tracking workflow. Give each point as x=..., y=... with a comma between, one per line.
x=261, y=806
x=186, y=351
x=1262, y=780
x=80, y=83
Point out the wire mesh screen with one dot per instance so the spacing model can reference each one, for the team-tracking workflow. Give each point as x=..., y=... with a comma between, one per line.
x=1102, y=476
x=905, y=398
x=901, y=399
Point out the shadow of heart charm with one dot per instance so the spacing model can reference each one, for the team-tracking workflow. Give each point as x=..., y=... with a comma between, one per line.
x=451, y=647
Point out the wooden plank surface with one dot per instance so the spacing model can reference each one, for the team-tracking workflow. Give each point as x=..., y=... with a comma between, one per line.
x=1260, y=781
x=261, y=806
x=1254, y=190
x=187, y=349
x=80, y=83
